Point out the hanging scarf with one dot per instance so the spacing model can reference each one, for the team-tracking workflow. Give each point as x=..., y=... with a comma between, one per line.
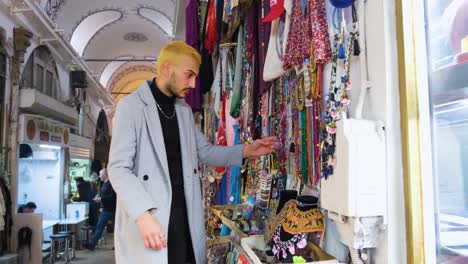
x=221, y=191
x=235, y=105
x=235, y=181
x=303, y=140
x=341, y=3
x=221, y=137
x=309, y=144
x=254, y=48
x=193, y=98
x=211, y=35
x=216, y=90
x=263, y=38
x=319, y=27
x=298, y=47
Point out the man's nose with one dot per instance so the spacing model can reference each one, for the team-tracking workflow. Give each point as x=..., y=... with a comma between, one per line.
x=192, y=82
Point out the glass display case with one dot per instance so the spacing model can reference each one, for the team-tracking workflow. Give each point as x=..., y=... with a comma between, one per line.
x=447, y=49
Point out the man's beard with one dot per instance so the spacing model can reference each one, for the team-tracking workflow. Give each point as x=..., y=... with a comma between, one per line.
x=171, y=87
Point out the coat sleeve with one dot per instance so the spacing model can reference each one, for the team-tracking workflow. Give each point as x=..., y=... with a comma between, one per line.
x=217, y=156
x=131, y=194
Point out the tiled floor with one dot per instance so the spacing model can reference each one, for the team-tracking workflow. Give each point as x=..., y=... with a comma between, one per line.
x=101, y=254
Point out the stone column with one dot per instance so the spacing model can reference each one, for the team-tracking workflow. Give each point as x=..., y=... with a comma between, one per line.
x=21, y=42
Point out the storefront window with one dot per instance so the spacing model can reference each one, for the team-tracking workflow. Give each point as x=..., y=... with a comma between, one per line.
x=447, y=43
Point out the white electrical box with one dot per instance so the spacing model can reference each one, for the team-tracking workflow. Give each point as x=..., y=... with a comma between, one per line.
x=357, y=187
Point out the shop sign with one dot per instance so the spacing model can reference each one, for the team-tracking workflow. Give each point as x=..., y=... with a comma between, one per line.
x=40, y=130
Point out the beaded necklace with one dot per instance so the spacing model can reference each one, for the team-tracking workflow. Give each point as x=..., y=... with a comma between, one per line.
x=303, y=129
x=246, y=117
x=310, y=147
x=336, y=99
x=296, y=148
x=283, y=124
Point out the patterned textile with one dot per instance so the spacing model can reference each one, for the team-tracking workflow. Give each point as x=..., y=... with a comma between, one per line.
x=298, y=46
x=320, y=37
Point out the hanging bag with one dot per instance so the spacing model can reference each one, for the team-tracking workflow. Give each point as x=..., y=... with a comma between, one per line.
x=273, y=67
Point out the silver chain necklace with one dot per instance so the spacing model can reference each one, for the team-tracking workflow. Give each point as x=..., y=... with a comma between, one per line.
x=164, y=114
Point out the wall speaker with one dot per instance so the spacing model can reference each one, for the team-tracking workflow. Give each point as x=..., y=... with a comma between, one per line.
x=78, y=79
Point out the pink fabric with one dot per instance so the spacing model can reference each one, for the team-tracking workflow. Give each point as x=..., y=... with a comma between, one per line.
x=230, y=121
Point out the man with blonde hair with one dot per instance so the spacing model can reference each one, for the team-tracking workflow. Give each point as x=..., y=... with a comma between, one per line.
x=153, y=165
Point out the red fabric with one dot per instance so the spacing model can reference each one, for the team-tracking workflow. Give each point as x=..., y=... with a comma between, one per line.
x=211, y=36
x=297, y=47
x=276, y=10
x=319, y=26
x=221, y=137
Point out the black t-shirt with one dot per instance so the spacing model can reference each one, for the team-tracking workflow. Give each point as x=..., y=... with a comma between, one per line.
x=179, y=240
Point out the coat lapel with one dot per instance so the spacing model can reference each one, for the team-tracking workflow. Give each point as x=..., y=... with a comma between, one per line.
x=154, y=126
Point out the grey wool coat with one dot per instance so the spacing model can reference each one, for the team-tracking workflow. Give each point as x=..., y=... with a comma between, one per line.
x=138, y=171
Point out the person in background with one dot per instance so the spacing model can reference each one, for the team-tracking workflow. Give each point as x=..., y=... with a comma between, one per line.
x=84, y=190
x=27, y=208
x=108, y=198
x=86, y=194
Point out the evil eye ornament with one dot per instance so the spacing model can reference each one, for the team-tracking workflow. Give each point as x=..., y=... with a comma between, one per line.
x=331, y=130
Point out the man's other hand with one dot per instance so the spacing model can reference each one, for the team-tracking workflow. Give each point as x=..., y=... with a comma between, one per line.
x=151, y=232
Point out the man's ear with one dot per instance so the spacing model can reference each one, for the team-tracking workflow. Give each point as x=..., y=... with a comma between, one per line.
x=165, y=68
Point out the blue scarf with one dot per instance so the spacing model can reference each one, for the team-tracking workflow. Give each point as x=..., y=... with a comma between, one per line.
x=235, y=182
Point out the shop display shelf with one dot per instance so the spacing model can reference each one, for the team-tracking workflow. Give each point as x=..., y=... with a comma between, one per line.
x=258, y=242
x=218, y=212
x=218, y=240
x=450, y=78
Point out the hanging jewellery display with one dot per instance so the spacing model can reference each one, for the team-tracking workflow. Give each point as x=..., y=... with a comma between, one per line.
x=281, y=248
x=337, y=97
x=320, y=53
x=299, y=94
x=296, y=221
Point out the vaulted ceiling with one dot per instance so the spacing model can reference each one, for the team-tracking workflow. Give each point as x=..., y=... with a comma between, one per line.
x=118, y=39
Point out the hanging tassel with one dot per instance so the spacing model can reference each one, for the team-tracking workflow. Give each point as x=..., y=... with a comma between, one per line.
x=292, y=148
x=357, y=48
x=341, y=52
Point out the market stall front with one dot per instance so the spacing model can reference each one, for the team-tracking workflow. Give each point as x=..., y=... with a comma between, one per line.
x=41, y=166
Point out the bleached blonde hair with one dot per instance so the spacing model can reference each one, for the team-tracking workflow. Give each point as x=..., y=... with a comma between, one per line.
x=172, y=52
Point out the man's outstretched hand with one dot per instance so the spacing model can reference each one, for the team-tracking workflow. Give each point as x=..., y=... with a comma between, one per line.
x=261, y=147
